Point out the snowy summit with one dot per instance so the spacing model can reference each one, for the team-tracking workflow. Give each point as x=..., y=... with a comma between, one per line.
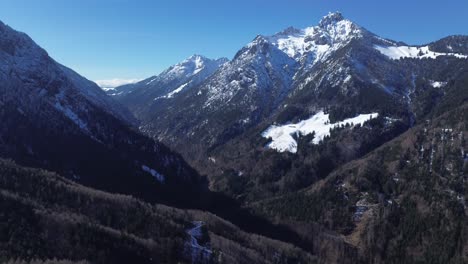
x=316, y=43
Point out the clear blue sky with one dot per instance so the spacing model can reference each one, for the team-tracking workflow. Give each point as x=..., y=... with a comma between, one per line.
x=105, y=39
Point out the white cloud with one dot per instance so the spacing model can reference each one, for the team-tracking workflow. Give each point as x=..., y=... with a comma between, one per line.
x=112, y=83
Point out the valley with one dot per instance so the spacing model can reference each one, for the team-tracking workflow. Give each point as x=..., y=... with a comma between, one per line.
x=327, y=144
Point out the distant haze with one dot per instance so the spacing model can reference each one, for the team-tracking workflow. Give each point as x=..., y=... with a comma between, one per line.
x=112, y=83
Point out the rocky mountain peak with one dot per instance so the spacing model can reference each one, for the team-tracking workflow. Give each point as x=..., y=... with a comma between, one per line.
x=289, y=31
x=331, y=18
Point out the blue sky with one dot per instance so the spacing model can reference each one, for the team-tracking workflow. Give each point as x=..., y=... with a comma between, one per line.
x=134, y=39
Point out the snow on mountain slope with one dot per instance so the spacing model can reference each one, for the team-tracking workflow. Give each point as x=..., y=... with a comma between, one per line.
x=177, y=90
x=184, y=75
x=96, y=95
x=399, y=52
x=319, y=124
x=153, y=173
x=188, y=68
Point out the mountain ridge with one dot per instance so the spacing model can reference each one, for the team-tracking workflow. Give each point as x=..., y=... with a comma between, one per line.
x=291, y=76
x=253, y=89
x=58, y=120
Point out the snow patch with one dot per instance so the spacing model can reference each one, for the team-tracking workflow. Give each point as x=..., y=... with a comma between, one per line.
x=177, y=90
x=282, y=136
x=153, y=173
x=347, y=79
x=151, y=81
x=171, y=94
x=199, y=65
x=399, y=52
x=72, y=116
x=436, y=84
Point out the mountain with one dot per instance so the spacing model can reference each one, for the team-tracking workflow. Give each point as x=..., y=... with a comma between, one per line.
x=144, y=96
x=295, y=87
x=335, y=127
x=262, y=76
x=55, y=119
x=327, y=144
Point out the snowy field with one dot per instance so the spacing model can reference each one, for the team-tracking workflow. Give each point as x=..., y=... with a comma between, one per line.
x=399, y=52
x=282, y=136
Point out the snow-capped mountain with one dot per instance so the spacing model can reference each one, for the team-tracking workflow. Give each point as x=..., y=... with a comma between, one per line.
x=337, y=67
x=314, y=44
x=285, y=54
x=176, y=79
x=56, y=119
x=242, y=92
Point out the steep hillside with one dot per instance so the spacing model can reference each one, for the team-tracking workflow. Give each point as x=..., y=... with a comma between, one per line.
x=44, y=216
x=53, y=118
x=402, y=203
